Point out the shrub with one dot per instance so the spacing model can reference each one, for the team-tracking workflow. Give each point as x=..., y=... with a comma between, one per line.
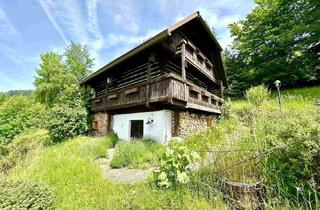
x=113, y=137
x=174, y=168
x=95, y=148
x=17, y=114
x=257, y=95
x=65, y=121
x=136, y=154
x=25, y=195
x=21, y=145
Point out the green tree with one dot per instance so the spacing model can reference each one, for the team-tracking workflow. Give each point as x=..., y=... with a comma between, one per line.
x=78, y=60
x=58, y=72
x=273, y=42
x=51, y=78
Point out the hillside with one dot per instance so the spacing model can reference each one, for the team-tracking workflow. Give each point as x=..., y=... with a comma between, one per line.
x=288, y=138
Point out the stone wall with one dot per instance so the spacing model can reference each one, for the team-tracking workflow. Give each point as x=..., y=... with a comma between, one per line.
x=185, y=123
x=100, y=123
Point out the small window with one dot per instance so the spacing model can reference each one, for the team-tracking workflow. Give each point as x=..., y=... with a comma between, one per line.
x=95, y=125
x=136, y=129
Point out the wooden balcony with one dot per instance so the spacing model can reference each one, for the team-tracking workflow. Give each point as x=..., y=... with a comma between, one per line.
x=198, y=60
x=168, y=89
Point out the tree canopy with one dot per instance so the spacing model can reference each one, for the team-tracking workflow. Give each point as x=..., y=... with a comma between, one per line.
x=274, y=41
x=57, y=72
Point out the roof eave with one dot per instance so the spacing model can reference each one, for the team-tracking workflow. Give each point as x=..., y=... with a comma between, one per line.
x=160, y=36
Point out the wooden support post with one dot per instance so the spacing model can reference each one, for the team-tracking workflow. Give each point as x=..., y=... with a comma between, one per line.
x=183, y=68
x=221, y=89
x=151, y=59
x=106, y=94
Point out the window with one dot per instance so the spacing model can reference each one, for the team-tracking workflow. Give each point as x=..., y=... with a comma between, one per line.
x=136, y=129
x=95, y=125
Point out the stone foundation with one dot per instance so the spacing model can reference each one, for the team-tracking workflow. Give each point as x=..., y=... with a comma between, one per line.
x=186, y=123
x=100, y=123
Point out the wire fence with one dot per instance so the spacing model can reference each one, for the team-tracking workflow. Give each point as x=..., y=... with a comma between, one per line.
x=236, y=174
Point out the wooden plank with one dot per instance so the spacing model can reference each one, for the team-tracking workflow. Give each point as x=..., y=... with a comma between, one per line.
x=113, y=96
x=203, y=108
x=195, y=88
x=132, y=90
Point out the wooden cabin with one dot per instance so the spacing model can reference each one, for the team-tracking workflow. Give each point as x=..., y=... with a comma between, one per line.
x=167, y=87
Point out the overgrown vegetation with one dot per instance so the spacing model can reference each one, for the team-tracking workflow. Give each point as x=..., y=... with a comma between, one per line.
x=22, y=145
x=17, y=114
x=175, y=169
x=77, y=182
x=256, y=141
x=137, y=154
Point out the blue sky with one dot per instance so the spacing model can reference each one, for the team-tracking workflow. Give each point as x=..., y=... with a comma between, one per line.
x=109, y=28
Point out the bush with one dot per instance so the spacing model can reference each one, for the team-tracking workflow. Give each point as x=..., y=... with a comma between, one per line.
x=95, y=148
x=24, y=195
x=257, y=95
x=113, y=137
x=65, y=121
x=136, y=154
x=17, y=114
x=174, y=168
x=21, y=145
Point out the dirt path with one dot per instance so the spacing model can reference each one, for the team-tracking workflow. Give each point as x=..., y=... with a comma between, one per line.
x=122, y=175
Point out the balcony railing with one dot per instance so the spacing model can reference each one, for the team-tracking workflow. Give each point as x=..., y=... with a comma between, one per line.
x=161, y=89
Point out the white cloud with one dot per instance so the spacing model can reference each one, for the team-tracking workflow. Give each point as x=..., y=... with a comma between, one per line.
x=7, y=30
x=125, y=13
x=116, y=39
x=74, y=24
x=219, y=14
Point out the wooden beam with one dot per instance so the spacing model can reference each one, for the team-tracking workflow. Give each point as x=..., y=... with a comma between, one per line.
x=151, y=60
x=203, y=108
x=183, y=67
x=221, y=89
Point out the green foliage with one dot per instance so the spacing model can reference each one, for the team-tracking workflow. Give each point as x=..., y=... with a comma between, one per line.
x=58, y=72
x=295, y=166
x=273, y=42
x=95, y=148
x=136, y=154
x=21, y=146
x=51, y=78
x=25, y=195
x=17, y=114
x=78, y=60
x=257, y=95
x=64, y=121
x=174, y=169
x=113, y=137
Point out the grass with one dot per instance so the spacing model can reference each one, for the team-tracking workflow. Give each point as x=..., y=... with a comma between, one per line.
x=137, y=154
x=78, y=182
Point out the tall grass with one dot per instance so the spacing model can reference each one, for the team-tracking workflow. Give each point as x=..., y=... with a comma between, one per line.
x=137, y=154
x=78, y=183
x=237, y=148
